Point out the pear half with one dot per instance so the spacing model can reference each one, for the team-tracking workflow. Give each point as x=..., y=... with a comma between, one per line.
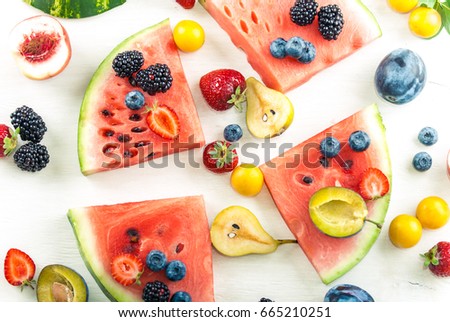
x=338, y=211
x=236, y=231
x=269, y=112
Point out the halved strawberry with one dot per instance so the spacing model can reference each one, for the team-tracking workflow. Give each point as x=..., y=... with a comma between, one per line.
x=127, y=269
x=163, y=120
x=19, y=268
x=374, y=184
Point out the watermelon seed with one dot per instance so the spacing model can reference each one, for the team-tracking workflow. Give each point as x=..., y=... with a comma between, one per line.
x=133, y=234
x=138, y=129
x=236, y=226
x=255, y=18
x=106, y=113
x=135, y=117
x=179, y=248
x=265, y=117
x=109, y=148
x=124, y=138
x=307, y=180
x=324, y=162
x=244, y=26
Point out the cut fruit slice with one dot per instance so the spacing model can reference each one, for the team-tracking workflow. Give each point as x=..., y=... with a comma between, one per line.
x=269, y=112
x=40, y=46
x=295, y=176
x=163, y=120
x=253, y=24
x=59, y=283
x=337, y=211
x=178, y=227
x=112, y=136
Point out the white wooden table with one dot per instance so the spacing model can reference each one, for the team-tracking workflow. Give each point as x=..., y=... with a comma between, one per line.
x=34, y=206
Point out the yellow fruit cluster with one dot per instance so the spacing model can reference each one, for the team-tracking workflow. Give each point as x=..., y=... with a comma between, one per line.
x=424, y=22
x=405, y=230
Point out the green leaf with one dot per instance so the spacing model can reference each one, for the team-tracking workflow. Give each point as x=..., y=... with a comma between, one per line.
x=444, y=11
x=74, y=8
x=428, y=3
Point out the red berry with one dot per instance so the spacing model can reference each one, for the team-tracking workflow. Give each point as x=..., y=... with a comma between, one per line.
x=163, y=120
x=223, y=88
x=127, y=269
x=220, y=157
x=437, y=259
x=19, y=268
x=374, y=184
x=8, y=140
x=186, y=4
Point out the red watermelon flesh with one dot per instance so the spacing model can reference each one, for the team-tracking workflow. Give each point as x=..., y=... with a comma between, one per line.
x=176, y=226
x=331, y=257
x=105, y=120
x=253, y=24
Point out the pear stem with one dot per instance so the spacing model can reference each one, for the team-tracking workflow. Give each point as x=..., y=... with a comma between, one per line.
x=373, y=222
x=286, y=241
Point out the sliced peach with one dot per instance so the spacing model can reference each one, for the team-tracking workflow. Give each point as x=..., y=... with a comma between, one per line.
x=40, y=46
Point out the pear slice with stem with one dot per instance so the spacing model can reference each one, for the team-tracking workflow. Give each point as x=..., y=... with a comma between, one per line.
x=236, y=231
x=269, y=112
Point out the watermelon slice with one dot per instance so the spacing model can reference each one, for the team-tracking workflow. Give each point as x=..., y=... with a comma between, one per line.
x=176, y=226
x=293, y=177
x=253, y=24
x=105, y=120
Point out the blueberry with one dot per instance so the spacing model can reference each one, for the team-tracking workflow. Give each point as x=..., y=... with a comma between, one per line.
x=309, y=53
x=156, y=260
x=422, y=161
x=278, y=48
x=330, y=147
x=359, y=141
x=428, y=136
x=181, y=296
x=347, y=293
x=175, y=270
x=400, y=76
x=134, y=100
x=232, y=132
x=295, y=47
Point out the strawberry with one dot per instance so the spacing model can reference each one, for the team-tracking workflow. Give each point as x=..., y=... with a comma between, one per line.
x=127, y=269
x=223, y=88
x=163, y=120
x=19, y=268
x=186, y=4
x=437, y=259
x=8, y=140
x=374, y=184
x=220, y=157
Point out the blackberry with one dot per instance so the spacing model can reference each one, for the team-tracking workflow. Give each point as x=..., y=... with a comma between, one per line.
x=32, y=157
x=303, y=12
x=154, y=79
x=156, y=292
x=32, y=126
x=128, y=62
x=331, y=21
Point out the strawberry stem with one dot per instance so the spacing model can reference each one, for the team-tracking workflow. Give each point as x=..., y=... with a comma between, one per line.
x=238, y=98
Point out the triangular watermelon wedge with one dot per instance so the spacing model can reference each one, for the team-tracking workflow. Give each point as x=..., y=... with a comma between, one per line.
x=112, y=136
x=253, y=24
x=176, y=226
x=285, y=178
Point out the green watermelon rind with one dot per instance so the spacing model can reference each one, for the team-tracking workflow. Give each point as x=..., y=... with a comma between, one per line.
x=99, y=77
x=74, y=9
x=82, y=232
x=379, y=207
x=378, y=213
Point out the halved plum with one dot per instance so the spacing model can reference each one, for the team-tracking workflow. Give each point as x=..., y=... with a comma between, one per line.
x=40, y=46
